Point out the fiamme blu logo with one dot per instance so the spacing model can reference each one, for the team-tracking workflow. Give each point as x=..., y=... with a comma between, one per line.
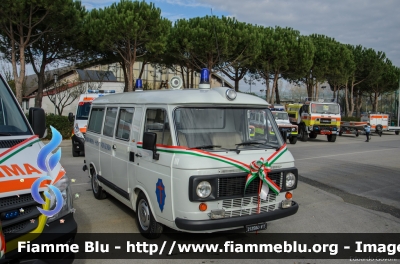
x=47, y=161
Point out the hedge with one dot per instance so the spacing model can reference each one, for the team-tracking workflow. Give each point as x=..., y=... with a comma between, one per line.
x=350, y=118
x=61, y=123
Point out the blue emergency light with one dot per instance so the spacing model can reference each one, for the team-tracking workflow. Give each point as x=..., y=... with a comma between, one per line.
x=139, y=85
x=204, y=79
x=107, y=91
x=93, y=91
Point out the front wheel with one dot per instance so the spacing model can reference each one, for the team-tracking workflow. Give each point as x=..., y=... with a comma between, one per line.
x=147, y=225
x=396, y=132
x=293, y=139
x=98, y=192
x=331, y=138
x=303, y=134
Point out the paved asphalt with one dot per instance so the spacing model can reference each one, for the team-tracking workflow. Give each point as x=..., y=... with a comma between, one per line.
x=349, y=186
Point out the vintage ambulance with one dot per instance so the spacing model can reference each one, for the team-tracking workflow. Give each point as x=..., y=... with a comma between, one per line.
x=22, y=159
x=186, y=159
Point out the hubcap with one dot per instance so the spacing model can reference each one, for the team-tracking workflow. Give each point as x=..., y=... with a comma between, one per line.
x=144, y=215
x=95, y=183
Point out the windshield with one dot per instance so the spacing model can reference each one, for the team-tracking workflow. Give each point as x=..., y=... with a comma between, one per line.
x=325, y=108
x=83, y=110
x=226, y=128
x=280, y=115
x=11, y=120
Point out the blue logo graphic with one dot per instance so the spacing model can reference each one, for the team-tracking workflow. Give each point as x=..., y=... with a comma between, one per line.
x=160, y=192
x=47, y=162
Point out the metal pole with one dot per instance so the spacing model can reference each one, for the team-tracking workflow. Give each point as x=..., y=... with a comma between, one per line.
x=398, y=107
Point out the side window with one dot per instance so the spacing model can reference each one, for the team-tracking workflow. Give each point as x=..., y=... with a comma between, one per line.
x=96, y=120
x=124, y=123
x=157, y=122
x=109, y=121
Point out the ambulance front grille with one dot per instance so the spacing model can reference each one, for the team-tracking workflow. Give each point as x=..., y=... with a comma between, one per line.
x=27, y=218
x=248, y=205
x=10, y=143
x=234, y=186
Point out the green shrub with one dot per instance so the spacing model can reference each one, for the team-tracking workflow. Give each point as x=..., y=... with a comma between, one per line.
x=61, y=123
x=350, y=118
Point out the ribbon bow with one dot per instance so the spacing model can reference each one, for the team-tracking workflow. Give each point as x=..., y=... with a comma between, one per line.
x=259, y=169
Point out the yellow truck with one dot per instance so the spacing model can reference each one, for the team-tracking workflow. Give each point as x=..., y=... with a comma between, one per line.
x=316, y=117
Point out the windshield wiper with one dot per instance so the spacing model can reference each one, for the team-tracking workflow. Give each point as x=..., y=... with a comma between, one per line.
x=256, y=142
x=250, y=142
x=205, y=147
x=5, y=134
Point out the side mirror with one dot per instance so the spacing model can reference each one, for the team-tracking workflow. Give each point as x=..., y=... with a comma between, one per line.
x=37, y=120
x=71, y=117
x=149, y=143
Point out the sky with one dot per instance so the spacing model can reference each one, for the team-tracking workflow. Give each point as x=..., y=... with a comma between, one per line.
x=369, y=23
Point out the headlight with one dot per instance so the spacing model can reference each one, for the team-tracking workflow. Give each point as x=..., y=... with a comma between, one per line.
x=293, y=129
x=290, y=180
x=63, y=186
x=203, y=189
x=77, y=131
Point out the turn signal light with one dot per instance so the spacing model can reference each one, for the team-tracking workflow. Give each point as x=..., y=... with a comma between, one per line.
x=288, y=195
x=203, y=207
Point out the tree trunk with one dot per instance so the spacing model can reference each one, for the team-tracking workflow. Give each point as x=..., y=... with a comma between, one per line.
x=192, y=79
x=130, y=77
x=346, y=97
x=183, y=77
x=123, y=66
x=316, y=91
x=375, y=104
x=278, y=99
x=267, y=90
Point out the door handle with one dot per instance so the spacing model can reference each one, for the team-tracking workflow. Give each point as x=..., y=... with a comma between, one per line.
x=138, y=155
x=114, y=147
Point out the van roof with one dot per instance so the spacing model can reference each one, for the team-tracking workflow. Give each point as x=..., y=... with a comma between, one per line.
x=181, y=96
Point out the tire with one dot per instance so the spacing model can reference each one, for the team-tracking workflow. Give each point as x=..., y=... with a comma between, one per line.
x=293, y=140
x=331, y=138
x=303, y=134
x=396, y=132
x=146, y=223
x=312, y=135
x=98, y=192
x=357, y=134
x=340, y=133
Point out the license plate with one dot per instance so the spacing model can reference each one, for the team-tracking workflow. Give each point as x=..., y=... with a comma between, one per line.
x=255, y=227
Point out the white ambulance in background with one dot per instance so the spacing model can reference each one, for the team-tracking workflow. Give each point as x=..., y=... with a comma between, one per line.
x=81, y=117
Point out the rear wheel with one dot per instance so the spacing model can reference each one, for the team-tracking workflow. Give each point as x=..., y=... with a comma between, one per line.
x=396, y=132
x=98, y=192
x=293, y=139
x=147, y=225
x=331, y=138
x=75, y=153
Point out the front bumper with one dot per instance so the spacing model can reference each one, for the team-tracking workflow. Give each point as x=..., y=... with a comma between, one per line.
x=53, y=233
x=201, y=225
x=78, y=144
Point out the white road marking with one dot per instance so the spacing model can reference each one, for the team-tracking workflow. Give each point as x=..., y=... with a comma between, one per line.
x=350, y=153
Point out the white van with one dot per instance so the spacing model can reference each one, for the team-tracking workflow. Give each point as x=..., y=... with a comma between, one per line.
x=181, y=158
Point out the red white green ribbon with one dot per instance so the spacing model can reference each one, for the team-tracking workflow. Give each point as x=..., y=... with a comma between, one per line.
x=18, y=148
x=257, y=169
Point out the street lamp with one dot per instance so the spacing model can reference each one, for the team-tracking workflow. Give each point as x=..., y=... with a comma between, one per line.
x=55, y=75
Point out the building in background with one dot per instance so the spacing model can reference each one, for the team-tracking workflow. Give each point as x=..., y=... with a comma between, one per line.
x=67, y=81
